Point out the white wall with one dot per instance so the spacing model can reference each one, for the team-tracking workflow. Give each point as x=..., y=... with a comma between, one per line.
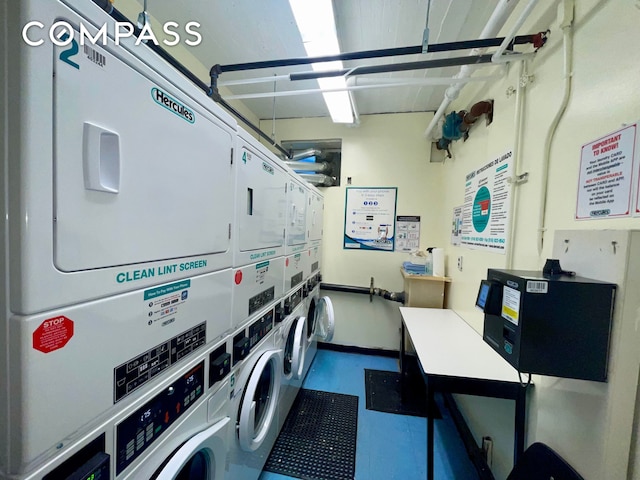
x=605, y=95
x=383, y=151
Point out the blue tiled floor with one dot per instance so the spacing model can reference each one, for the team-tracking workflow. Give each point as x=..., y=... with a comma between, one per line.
x=389, y=446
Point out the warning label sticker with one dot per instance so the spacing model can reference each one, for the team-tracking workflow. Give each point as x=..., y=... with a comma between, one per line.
x=53, y=334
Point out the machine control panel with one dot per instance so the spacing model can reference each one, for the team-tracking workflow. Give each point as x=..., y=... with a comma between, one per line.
x=260, y=300
x=143, y=427
x=295, y=298
x=241, y=347
x=260, y=328
x=279, y=313
x=90, y=462
x=219, y=364
x=296, y=280
x=136, y=372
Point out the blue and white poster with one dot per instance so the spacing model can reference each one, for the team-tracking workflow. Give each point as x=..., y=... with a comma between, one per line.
x=369, y=220
x=485, y=213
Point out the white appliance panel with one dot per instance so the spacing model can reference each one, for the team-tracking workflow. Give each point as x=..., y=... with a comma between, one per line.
x=260, y=202
x=88, y=360
x=295, y=271
x=313, y=260
x=37, y=284
x=315, y=216
x=141, y=174
x=296, y=216
x=254, y=287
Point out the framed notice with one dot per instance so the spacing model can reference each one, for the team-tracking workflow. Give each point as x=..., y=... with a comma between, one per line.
x=485, y=213
x=408, y=233
x=606, y=170
x=369, y=220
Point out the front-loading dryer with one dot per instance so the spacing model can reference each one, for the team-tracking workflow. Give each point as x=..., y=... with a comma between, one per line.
x=255, y=381
x=291, y=338
x=320, y=320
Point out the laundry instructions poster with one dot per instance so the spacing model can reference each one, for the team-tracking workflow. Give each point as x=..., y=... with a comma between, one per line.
x=369, y=220
x=485, y=213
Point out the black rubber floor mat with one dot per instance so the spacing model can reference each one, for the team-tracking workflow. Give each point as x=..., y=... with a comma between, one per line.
x=318, y=439
x=384, y=392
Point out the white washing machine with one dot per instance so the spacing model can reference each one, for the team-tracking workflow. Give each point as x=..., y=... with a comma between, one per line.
x=315, y=216
x=291, y=338
x=260, y=202
x=254, y=287
x=320, y=320
x=178, y=429
x=87, y=361
x=296, y=214
x=255, y=382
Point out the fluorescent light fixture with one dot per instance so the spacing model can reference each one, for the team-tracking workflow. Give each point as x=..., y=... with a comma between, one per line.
x=317, y=27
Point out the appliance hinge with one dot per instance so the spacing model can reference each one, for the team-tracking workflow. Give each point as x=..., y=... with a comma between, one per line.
x=229, y=231
x=285, y=187
x=232, y=156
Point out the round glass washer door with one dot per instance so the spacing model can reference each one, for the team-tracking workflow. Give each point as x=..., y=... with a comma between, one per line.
x=260, y=401
x=202, y=457
x=325, y=320
x=295, y=349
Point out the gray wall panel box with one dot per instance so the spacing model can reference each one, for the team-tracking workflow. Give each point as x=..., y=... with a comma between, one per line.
x=548, y=325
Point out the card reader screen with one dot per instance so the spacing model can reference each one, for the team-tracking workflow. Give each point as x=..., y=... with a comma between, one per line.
x=483, y=294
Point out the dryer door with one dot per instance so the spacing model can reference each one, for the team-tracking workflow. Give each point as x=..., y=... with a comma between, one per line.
x=325, y=319
x=295, y=349
x=202, y=457
x=260, y=401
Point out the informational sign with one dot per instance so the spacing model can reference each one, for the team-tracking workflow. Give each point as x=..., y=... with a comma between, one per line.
x=53, y=334
x=408, y=236
x=369, y=220
x=485, y=213
x=606, y=170
x=456, y=226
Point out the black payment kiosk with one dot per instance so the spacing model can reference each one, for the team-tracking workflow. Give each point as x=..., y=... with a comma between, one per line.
x=555, y=325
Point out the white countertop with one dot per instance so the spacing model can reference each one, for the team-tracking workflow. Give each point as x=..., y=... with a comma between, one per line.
x=447, y=345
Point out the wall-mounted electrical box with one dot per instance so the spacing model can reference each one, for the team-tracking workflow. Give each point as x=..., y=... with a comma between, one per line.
x=549, y=325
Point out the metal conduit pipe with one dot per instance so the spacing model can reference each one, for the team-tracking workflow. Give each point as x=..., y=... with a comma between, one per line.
x=496, y=21
x=371, y=291
x=366, y=54
x=309, y=166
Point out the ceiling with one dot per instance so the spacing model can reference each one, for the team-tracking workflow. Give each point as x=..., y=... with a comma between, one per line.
x=238, y=31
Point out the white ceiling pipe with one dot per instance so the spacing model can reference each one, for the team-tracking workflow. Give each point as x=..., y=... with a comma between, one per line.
x=490, y=30
x=251, y=81
x=383, y=84
x=514, y=30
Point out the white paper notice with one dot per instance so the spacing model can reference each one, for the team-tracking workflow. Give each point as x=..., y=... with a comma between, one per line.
x=511, y=304
x=606, y=168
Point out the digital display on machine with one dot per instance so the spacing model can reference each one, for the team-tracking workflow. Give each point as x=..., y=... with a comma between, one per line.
x=143, y=427
x=134, y=373
x=296, y=279
x=483, y=294
x=259, y=329
x=260, y=300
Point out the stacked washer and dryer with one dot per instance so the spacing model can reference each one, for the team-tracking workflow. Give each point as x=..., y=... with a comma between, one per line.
x=149, y=330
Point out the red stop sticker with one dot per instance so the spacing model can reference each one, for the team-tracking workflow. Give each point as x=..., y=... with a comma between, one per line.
x=238, y=278
x=53, y=334
x=286, y=262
